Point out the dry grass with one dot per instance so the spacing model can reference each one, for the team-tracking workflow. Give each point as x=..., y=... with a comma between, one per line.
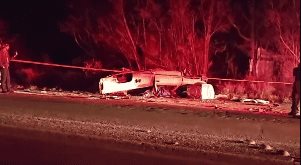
x=272, y=92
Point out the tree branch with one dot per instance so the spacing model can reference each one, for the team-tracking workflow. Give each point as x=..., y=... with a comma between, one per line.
x=286, y=45
x=239, y=32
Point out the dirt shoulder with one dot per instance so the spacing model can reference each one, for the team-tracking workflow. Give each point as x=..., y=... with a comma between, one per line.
x=223, y=104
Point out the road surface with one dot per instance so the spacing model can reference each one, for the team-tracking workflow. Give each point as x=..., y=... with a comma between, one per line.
x=62, y=130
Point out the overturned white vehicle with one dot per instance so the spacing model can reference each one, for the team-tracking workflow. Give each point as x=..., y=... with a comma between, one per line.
x=157, y=81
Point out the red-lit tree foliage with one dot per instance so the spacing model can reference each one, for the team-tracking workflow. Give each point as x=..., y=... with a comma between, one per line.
x=282, y=37
x=91, y=25
x=285, y=18
x=177, y=34
x=212, y=17
x=272, y=26
x=170, y=34
x=248, y=17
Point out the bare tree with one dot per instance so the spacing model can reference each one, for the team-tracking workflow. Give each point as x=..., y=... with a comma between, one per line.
x=91, y=28
x=214, y=17
x=248, y=19
x=167, y=32
x=183, y=42
x=285, y=16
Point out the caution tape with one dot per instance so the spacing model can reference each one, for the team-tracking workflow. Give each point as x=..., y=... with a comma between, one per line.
x=119, y=71
x=64, y=66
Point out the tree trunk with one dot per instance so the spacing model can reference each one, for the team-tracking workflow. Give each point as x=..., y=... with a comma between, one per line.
x=206, y=55
x=254, y=53
x=131, y=38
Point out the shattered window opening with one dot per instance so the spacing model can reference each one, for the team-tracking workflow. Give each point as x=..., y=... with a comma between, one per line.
x=123, y=78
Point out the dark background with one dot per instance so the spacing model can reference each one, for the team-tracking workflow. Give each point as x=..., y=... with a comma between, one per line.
x=32, y=29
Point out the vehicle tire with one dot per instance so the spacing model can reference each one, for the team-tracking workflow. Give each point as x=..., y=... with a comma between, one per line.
x=194, y=91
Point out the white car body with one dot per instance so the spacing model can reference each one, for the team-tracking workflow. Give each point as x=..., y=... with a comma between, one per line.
x=113, y=83
x=127, y=81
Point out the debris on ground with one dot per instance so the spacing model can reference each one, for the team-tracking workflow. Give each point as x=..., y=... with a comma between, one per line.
x=252, y=142
x=236, y=99
x=268, y=147
x=235, y=104
x=284, y=153
x=148, y=94
x=256, y=101
x=221, y=96
x=163, y=92
x=116, y=97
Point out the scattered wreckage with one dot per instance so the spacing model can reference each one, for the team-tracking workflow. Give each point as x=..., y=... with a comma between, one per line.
x=158, y=82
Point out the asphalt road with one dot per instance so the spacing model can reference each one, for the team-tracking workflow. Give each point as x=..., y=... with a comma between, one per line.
x=19, y=146
x=57, y=130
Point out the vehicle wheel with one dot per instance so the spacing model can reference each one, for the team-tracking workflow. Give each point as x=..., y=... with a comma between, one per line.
x=194, y=91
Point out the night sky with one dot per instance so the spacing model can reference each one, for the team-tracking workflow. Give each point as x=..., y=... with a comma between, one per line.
x=33, y=30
